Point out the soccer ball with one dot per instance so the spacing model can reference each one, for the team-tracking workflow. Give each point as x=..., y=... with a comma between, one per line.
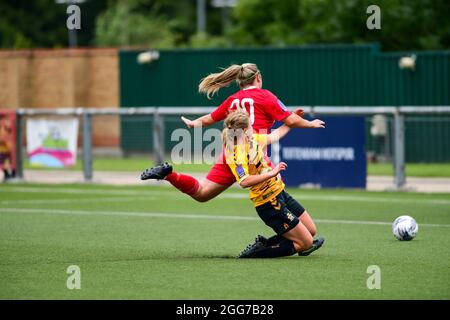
x=405, y=228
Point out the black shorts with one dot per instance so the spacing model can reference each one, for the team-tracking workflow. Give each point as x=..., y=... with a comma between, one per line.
x=281, y=213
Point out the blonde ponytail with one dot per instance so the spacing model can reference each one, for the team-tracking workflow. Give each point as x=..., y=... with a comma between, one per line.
x=243, y=75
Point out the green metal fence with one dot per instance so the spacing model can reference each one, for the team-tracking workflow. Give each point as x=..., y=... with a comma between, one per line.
x=326, y=75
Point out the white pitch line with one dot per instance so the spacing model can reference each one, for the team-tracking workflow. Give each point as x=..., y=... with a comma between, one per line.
x=128, y=213
x=73, y=191
x=301, y=197
x=378, y=199
x=228, y=195
x=64, y=201
x=191, y=216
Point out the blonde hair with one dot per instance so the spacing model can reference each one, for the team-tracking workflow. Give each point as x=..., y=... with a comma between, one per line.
x=243, y=75
x=234, y=125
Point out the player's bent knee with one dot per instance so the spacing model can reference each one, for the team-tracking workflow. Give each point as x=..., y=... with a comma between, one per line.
x=201, y=198
x=308, y=243
x=313, y=230
x=303, y=244
x=297, y=247
x=308, y=223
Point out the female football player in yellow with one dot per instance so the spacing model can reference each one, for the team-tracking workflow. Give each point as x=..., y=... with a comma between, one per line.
x=244, y=152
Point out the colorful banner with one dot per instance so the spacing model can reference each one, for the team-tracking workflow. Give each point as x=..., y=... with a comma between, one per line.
x=52, y=143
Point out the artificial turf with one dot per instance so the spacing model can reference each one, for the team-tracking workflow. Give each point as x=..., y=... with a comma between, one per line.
x=150, y=242
x=139, y=163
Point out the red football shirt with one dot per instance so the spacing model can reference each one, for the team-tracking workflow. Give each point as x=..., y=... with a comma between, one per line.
x=263, y=107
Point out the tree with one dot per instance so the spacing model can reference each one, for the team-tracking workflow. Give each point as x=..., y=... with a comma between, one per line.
x=26, y=24
x=157, y=23
x=405, y=24
x=123, y=25
x=42, y=23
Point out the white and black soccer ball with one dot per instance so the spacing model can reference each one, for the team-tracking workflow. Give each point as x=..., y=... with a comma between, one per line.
x=405, y=228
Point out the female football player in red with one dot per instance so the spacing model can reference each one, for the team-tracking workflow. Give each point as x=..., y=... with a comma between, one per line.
x=263, y=108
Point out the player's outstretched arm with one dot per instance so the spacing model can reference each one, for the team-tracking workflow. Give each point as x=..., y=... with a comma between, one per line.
x=203, y=121
x=295, y=121
x=278, y=134
x=252, y=180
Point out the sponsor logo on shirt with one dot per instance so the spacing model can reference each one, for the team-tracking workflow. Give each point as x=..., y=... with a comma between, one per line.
x=240, y=171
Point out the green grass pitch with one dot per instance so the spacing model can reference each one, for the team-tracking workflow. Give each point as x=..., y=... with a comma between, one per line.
x=136, y=163
x=148, y=242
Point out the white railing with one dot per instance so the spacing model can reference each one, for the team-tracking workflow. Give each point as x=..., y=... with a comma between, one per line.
x=158, y=114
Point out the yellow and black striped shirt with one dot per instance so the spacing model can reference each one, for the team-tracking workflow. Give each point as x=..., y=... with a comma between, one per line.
x=249, y=159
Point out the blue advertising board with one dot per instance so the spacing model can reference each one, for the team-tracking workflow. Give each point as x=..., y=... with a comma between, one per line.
x=333, y=157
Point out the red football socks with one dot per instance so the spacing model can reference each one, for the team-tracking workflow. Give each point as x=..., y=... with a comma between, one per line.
x=184, y=183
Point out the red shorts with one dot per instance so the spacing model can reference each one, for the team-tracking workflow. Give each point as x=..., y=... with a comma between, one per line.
x=221, y=173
